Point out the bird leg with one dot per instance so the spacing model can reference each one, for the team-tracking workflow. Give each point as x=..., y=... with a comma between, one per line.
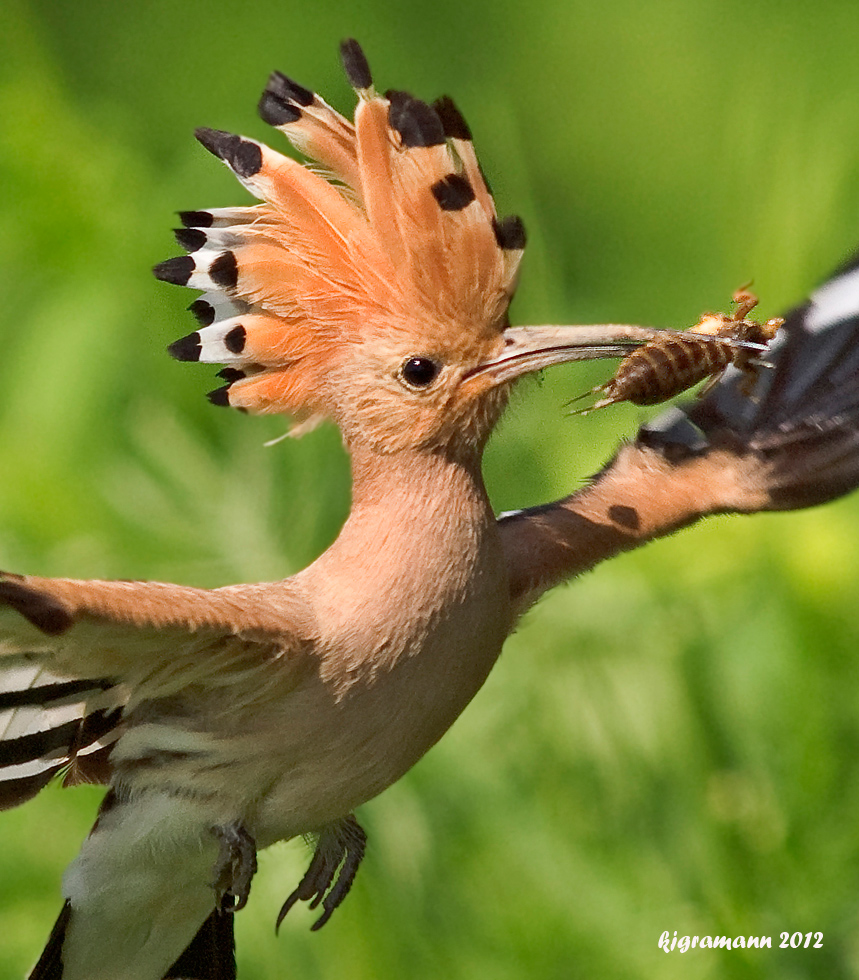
x=339, y=850
x=235, y=867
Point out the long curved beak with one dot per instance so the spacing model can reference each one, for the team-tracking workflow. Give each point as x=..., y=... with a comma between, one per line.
x=529, y=349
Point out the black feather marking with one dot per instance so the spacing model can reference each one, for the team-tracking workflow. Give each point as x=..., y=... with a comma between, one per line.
x=224, y=271
x=211, y=953
x=455, y=126
x=177, y=270
x=286, y=89
x=95, y=725
x=398, y=100
x=453, y=192
x=509, y=233
x=419, y=125
x=44, y=694
x=220, y=396
x=234, y=341
x=43, y=611
x=92, y=765
x=355, y=64
x=50, y=965
x=25, y=748
x=279, y=103
x=196, y=219
x=243, y=156
x=275, y=111
x=398, y=95
x=191, y=239
x=73, y=736
x=14, y=792
x=417, y=122
x=204, y=312
x=231, y=374
x=186, y=348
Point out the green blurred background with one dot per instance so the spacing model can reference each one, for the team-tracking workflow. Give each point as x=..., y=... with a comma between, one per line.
x=670, y=743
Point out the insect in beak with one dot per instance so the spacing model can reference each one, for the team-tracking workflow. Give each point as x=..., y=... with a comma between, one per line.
x=528, y=349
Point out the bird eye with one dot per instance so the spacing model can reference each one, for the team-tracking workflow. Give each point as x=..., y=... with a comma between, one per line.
x=419, y=372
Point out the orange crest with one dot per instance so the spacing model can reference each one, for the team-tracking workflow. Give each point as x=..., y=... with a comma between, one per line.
x=392, y=232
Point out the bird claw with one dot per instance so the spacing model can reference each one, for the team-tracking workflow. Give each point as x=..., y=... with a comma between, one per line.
x=235, y=867
x=335, y=861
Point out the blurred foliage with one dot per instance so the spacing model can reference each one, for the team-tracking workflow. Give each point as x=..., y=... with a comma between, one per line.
x=670, y=744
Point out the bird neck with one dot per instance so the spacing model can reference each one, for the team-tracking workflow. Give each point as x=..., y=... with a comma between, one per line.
x=415, y=508
x=413, y=591
x=414, y=480
x=420, y=539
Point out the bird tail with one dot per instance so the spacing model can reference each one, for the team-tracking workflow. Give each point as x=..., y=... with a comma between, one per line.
x=50, y=965
x=799, y=432
x=210, y=955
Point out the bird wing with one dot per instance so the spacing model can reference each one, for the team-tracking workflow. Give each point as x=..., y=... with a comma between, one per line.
x=152, y=687
x=74, y=654
x=794, y=443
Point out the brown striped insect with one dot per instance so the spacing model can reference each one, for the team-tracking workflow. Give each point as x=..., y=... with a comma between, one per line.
x=674, y=362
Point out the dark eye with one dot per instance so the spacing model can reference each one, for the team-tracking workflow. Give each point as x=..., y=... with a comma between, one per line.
x=418, y=372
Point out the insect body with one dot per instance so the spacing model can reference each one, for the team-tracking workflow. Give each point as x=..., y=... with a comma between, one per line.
x=674, y=362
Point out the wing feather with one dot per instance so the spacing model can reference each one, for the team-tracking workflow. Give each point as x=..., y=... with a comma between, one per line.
x=76, y=657
x=794, y=444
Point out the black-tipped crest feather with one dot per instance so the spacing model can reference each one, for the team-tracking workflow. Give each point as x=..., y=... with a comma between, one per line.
x=510, y=233
x=452, y=120
x=220, y=396
x=191, y=239
x=417, y=122
x=176, y=271
x=243, y=156
x=355, y=64
x=286, y=89
x=196, y=219
x=186, y=348
x=275, y=111
x=204, y=313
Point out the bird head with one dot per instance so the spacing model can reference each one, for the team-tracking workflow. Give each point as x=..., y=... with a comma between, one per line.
x=371, y=286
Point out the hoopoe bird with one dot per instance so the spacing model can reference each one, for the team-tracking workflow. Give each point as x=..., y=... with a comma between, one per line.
x=372, y=290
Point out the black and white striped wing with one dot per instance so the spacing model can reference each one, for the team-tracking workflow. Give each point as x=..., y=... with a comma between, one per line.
x=73, y=653
x=51, y=725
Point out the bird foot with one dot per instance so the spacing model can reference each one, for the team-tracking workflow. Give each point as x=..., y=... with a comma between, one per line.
x=335, y=861
x=235, y=867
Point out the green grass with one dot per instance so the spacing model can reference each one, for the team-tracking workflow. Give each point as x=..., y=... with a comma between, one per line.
x=667, y=744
